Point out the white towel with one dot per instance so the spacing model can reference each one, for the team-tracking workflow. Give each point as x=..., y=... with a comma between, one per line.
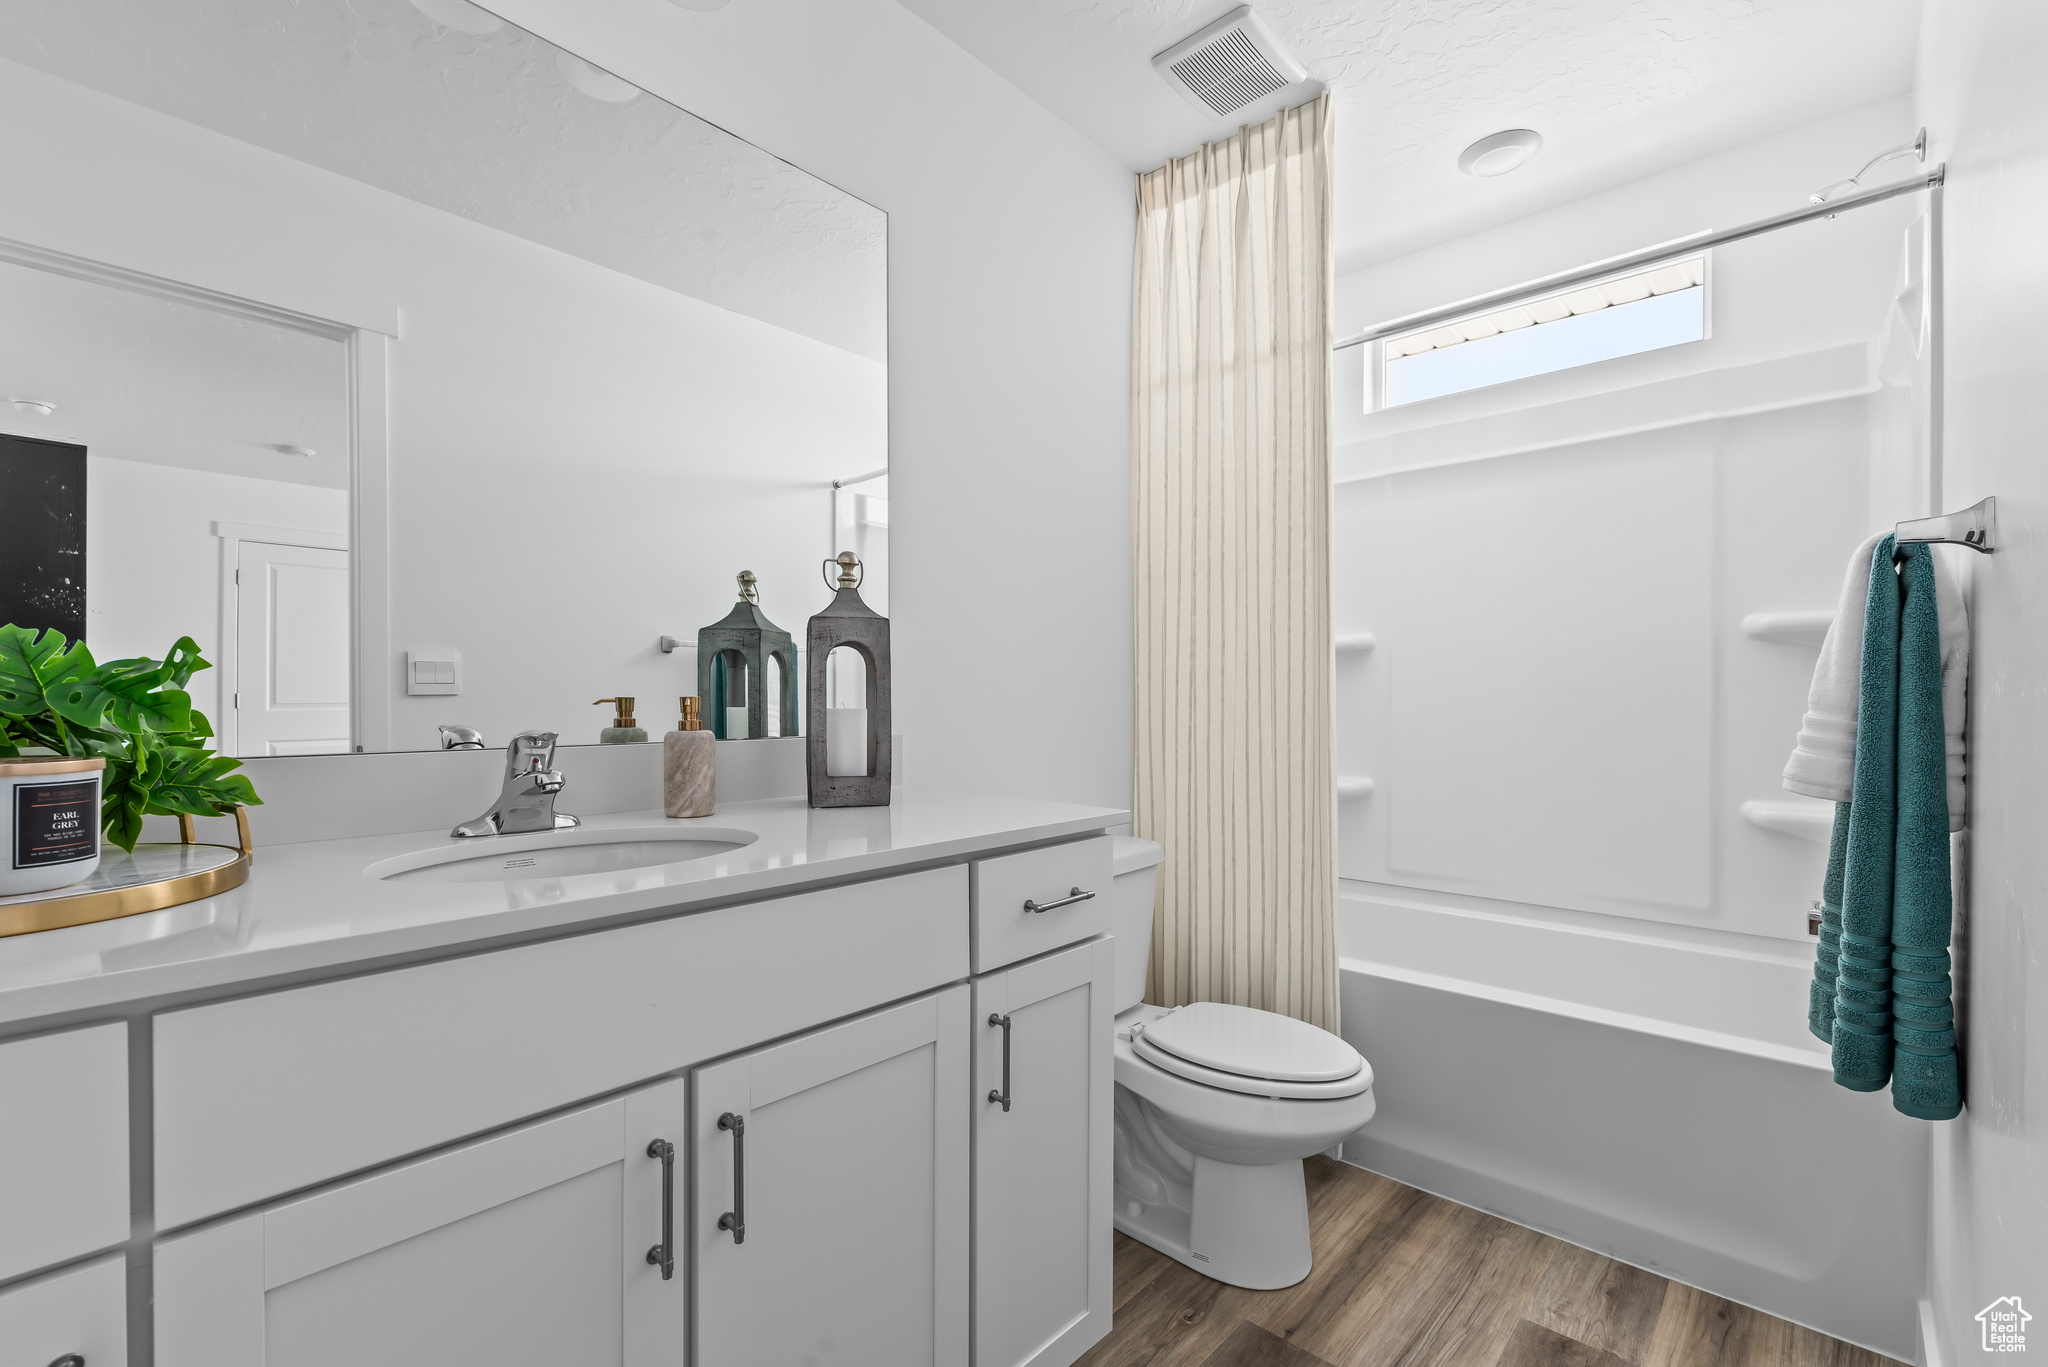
x=1823, y=762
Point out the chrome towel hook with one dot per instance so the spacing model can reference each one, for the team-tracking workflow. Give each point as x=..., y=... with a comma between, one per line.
x=1975, y=526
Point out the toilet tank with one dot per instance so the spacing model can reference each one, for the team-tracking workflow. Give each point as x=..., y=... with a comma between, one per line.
x=1136, y=863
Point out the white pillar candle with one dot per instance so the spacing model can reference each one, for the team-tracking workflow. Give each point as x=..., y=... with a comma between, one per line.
x=846, y=742
x=735, y=723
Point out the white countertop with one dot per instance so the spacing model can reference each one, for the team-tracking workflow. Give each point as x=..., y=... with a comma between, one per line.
x=309, y=908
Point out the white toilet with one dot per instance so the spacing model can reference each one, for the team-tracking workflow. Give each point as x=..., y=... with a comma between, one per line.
x=1216, y=1106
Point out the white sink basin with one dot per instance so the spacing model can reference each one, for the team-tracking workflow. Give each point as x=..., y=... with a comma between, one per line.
x=558, y=854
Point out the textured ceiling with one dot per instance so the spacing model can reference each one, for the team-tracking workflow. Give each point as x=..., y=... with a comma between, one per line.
x=145, y=379
x=487, y=126
x=1618, y=88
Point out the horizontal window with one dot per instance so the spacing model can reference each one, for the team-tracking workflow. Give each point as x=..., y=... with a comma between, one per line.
x=1641, y=312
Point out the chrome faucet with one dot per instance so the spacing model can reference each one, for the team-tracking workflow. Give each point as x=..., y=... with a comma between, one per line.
x=462, y=738
x=528, y=801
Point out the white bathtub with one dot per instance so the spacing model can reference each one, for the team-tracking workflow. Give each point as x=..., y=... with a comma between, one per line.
x=1649, y=1092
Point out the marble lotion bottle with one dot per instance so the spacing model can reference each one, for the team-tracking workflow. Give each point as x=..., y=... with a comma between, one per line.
x=689, y=767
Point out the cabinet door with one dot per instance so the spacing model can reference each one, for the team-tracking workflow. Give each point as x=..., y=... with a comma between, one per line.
x=81, y=1311
x=63, y=1146
x=529, y=1247
x=831, y=1205
x=1042, y=1154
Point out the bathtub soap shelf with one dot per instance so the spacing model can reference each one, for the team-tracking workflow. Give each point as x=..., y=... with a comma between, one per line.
x=1794, y=628
x=1810, y=820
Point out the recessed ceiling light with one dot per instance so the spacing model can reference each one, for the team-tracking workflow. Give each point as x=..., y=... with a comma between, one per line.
x=42, y=408
x=1500, y=153
x=460, y=15
x=594, y=81
x=286, y=449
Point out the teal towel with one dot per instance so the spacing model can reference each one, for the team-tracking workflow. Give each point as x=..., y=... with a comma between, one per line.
x=1881, y=988
x=1820, y=1003
x=1925, y=1078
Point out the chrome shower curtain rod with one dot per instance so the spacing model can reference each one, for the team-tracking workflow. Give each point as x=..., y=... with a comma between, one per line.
x=1481, y=303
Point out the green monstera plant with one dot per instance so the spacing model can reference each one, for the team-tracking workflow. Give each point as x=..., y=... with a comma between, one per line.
x=134, y=714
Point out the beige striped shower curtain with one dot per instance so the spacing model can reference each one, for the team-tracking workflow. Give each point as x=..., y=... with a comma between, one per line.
x=1230, y=438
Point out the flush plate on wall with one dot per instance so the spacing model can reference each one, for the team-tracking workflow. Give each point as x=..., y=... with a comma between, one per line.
x=1229, y=66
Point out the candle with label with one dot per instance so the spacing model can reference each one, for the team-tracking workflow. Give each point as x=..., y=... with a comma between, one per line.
x=53, y=821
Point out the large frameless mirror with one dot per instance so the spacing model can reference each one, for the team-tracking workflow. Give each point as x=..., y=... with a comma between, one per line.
x=424, y=373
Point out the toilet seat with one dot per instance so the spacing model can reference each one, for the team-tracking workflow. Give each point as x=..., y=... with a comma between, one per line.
x=1241, y=1049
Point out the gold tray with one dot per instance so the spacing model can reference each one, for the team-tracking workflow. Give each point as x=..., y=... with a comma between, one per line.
x=155, y=876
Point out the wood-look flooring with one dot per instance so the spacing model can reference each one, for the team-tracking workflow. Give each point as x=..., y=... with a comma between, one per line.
x=1406, y=1279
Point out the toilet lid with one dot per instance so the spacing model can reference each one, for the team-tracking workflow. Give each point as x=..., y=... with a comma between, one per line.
x=1246, y=1042
x=1342, y=1088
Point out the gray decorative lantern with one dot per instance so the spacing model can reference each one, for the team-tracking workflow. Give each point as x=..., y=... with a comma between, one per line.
x=744, y=641
x=847, y=621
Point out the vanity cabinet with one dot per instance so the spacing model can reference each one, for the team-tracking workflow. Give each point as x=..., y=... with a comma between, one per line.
x=1042, y=1150
x=797, y=1128
x=831, y=1185
x=275, y=1093
x=531, y=1246
x=80, y=1310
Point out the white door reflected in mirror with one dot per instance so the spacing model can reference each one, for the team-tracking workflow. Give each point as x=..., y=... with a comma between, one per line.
x=291, y=686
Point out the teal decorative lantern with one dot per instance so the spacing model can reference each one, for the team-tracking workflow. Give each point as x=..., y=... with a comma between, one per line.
x=732, y=669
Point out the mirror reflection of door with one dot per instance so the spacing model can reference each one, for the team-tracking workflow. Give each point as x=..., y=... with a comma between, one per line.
x=290, y=691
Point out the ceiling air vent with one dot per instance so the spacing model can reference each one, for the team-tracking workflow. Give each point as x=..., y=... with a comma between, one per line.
x=1230, y=65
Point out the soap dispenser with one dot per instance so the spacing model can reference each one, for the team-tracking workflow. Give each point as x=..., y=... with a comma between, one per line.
x=621, y=731
x=689, y=766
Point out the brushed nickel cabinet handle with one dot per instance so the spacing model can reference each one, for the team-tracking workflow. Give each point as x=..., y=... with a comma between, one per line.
x=1001, y=1095
x=735, y=1220
x=663, y=1254
x=1076, y=895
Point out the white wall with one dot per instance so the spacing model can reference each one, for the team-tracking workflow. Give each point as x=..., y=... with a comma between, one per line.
x=153, y=562
x=1980, y=91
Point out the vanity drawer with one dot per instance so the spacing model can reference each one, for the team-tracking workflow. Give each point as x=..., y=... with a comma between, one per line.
x=1005, y=932
x=271, y=1094
x=81, y=1310
x=63, y=1146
